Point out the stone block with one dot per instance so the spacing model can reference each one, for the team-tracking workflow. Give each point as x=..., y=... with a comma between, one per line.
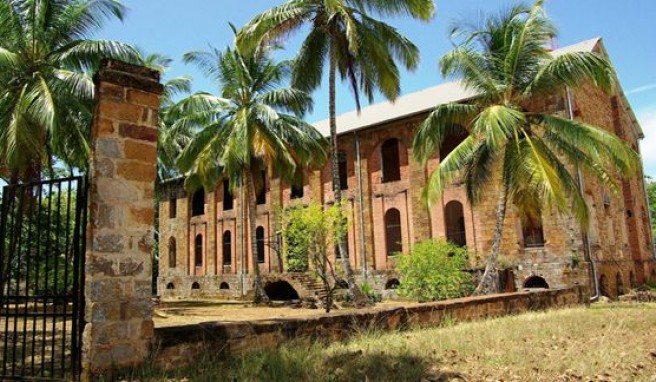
x=138, y=97
x=113, y=92
x=136, y=309
x=108, y=147
x=130, y=267
x=143, y=215
x=137, y=171
x=108, y=243
x=118, y=190
x=140, y=151
x=120, y=111
x=104, y=168
x=144, y=133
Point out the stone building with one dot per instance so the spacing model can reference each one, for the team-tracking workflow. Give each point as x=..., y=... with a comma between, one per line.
x=204, y=249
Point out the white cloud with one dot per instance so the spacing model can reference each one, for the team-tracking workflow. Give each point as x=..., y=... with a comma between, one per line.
x=641, y=89
x=647, y=119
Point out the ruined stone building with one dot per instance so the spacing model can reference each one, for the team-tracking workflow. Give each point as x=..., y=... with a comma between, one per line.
x=204, y=249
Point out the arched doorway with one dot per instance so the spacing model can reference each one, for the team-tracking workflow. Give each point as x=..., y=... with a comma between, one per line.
x=454, y=219
x=536, y=282
x=633, y=283
x=619, y=284
x=224, y=286
x=392, y=284
x=603, y=286
x=393, y=237
x=195, y=286
x=281, y=291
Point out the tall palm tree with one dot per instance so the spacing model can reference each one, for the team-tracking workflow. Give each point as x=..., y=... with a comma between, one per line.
x=254, y=125
x=46, y=63
x=364, y=51
x=526, y=153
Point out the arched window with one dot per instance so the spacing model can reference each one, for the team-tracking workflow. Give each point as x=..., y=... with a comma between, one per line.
x=532, y=232
x=173, y=208
x=227, y=248
x=259, y=235
x=454, y=218
x=393, y=232
x=195, y=286
x=632, y=280
x=170, y=286
x=227, y=196
x=224, y=286
x=343, y=170
x=198, y=203
x=297, y=190
x=453, y=138
x=389, y=152
x=262, y=190
x=199, y=251
x=172, y=253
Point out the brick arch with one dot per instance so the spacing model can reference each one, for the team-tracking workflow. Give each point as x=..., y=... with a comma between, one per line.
x=294, y=280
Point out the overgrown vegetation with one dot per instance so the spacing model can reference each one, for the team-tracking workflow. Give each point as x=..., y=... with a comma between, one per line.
x=544, y=346
x=308, y=233
x=435, y=270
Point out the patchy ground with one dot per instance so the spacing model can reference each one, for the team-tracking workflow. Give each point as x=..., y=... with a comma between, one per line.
x=194, y=312
x=607, y=342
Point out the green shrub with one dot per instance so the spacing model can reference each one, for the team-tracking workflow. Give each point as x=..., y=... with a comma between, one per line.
x=434, y=270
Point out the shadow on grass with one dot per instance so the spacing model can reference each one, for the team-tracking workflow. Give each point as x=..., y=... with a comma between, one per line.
x=301, y=362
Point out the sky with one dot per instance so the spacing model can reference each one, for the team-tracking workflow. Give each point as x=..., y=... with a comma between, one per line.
x=628, y=28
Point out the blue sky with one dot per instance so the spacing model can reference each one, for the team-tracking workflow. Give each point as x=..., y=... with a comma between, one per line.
x=627, y=27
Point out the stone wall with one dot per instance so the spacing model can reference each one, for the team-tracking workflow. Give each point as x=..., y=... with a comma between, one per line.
x=118, y=274
x=182, y=345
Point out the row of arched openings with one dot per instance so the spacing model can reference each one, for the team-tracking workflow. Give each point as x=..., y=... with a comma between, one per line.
x=227, y=248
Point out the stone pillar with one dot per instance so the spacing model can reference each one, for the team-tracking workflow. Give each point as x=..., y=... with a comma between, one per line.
x=118, y=270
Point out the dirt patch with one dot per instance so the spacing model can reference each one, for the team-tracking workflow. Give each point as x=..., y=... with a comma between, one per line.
x=195, y=312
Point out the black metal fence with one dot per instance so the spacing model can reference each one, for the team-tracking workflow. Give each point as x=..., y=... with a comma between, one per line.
x=42, y=233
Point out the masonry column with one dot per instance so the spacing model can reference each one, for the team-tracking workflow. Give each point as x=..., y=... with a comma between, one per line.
x=118, y=270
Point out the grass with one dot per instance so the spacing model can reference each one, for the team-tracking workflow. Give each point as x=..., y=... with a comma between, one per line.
x=604, y=342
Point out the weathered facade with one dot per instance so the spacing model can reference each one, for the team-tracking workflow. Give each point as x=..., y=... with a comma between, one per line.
x=204, y=248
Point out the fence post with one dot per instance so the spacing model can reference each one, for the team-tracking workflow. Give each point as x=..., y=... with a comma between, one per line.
x=118, y=270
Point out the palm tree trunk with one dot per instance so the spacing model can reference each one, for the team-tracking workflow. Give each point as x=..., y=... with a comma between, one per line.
x=490, y=281
x=359, y=298
x=260, y=294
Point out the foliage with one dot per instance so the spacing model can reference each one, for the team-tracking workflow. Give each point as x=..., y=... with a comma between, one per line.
x=371, y=293
x=310, y=233
x=434, y=270
x=506, y=61
x=362, y=50
x=254, y=126
x=42, y=250
x=46, y=98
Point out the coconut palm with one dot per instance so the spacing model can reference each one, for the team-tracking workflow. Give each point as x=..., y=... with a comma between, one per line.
x=46, y=62
x=364, y=51
x=254, y=125
x=527, y=154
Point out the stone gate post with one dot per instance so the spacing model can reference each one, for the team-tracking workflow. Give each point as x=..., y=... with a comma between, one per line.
x=120, y=231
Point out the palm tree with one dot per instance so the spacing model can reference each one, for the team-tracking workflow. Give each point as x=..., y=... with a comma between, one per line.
x=526, y=153
x=255, y=125
x=46, y=62
x=364, y=51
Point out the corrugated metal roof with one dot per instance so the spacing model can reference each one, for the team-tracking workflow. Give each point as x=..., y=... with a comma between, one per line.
x=420, y=101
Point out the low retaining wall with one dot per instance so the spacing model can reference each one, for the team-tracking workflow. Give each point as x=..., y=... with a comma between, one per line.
x=180, y=345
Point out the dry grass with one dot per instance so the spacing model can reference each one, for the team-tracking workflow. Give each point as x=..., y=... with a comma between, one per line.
x=604, y=342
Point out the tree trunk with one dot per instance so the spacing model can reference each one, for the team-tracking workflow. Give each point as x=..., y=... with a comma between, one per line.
x=490, y=281
x=260, y=294
x=359, y=298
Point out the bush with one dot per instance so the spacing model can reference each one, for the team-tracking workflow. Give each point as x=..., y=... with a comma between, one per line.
x=434, y=270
